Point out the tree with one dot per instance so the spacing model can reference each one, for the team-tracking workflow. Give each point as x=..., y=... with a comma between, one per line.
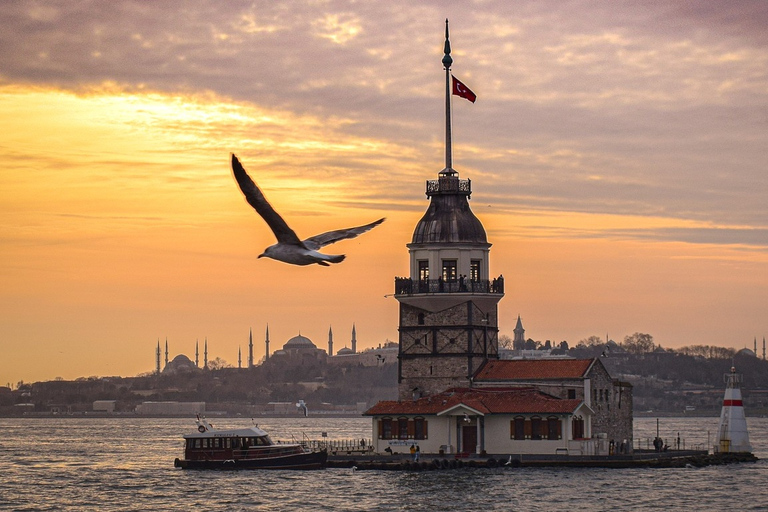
x=505, y=342
x=638, y=343
x=592, y=341
x=218, y=364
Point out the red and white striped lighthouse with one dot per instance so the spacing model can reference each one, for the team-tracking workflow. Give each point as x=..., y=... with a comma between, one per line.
x=732, y=435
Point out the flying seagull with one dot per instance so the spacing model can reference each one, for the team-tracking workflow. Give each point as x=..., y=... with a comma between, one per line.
x=289, y=248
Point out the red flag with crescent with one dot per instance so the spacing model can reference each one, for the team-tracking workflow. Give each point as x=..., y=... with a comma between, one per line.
x=459, y=89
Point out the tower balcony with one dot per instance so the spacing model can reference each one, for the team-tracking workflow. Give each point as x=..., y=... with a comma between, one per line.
x=405, y=286
x=450, y=185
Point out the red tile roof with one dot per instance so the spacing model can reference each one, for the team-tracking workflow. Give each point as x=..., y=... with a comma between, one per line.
x=533, y=369
x=485, y=401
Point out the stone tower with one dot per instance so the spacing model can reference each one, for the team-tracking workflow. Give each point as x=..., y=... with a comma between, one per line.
x=519, y=341
x=448, y=305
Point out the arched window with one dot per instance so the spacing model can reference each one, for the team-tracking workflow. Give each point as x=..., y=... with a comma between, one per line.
x=385, y=428
x=518, y=428
x=402, y=428
x=536, y=428
x=553, y=428
x=577, y=427
x=419, y=428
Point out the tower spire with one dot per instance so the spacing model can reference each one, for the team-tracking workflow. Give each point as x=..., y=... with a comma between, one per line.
x=447, y=61
x=266, y=343
x=205, y=354
x=250, y=348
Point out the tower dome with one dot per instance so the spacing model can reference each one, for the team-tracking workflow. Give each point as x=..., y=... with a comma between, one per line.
x=449, y=219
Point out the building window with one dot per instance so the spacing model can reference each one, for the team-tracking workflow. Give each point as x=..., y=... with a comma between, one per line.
x=572, y=394
x=578, y=427
x=449, y=271
x=474, y=270
x=385, y=428
x=421, y=319
x=419, y=428
x=402, y=428
x=535, y=428
x=518, y=428
x=553, y=428
x=423, y=270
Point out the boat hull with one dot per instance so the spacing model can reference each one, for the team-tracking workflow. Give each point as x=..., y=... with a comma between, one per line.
x=310, y=460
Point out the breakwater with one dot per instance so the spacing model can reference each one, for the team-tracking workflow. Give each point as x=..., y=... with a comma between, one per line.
x=678, y=459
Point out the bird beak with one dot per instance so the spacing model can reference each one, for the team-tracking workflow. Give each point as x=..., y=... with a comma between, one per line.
x=260, y=255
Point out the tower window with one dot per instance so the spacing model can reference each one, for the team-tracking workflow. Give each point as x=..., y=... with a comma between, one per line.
x=449, y=270
x=474, y=270
x=423, y=270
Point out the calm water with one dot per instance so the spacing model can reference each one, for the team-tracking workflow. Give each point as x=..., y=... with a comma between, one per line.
x=127, y=464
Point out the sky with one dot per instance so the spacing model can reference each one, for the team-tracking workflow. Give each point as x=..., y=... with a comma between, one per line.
x=617, y=152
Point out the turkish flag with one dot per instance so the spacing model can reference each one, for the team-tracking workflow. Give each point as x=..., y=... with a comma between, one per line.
x=459, y=89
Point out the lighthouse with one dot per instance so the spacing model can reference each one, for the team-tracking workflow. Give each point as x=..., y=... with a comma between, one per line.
x=732, y=436
x=449, y=303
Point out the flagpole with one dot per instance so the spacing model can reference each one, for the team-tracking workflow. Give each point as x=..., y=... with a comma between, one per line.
x=447, y=61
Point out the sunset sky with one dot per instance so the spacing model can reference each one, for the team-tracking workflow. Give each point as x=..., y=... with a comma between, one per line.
x=617, y=150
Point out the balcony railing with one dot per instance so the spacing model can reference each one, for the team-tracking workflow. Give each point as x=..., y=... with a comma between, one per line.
x=408, y=286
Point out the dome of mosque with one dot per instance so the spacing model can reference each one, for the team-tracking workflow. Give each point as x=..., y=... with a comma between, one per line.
x=344, y=351
x=180, y=363
x=299, y=341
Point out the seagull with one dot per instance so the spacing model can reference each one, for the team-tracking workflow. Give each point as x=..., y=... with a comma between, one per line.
x=289, y=249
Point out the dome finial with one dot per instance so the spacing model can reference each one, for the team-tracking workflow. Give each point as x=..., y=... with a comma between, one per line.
x=447, y=60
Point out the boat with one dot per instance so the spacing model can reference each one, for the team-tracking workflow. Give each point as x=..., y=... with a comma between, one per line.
x=244, y=448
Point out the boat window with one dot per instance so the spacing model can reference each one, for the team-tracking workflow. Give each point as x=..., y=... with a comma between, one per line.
x=227, y=443
x=216, y=443
x=198, y=443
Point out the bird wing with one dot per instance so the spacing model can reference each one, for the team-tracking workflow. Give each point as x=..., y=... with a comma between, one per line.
x=255, y=198
x=316, y=242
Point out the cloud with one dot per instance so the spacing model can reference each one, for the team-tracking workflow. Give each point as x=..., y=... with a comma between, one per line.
x=584, y=106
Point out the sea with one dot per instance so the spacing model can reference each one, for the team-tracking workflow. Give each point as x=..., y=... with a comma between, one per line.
x=126, y=463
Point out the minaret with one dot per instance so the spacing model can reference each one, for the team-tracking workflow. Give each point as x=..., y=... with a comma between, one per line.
x=266, y=342
x=239, y=358
x=763, y=348
x=449, y=305
x=354, y=340
x=330, y=341
x=166, y=351
x=157, y=358
x=519, y=340
x=250, y=348
x=205, y=354
x=755, y=351
x=197, y=353
x=732, y=435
